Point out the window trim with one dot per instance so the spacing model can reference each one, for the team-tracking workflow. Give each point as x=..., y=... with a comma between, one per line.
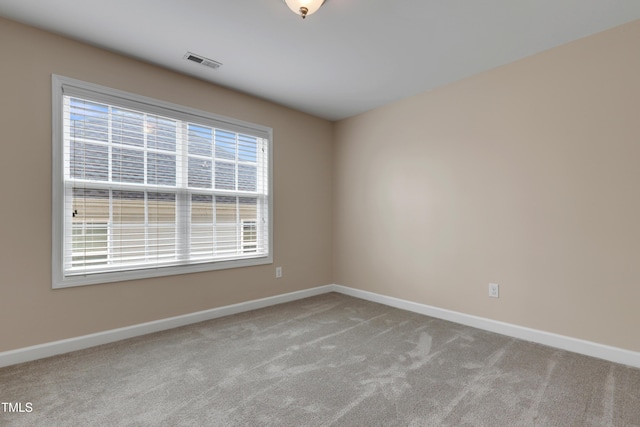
x=126, y=99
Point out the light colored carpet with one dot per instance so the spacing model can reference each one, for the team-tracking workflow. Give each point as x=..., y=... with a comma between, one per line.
x=326, y=360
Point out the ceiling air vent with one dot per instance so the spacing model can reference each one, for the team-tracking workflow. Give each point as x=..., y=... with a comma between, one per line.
x=202, y=60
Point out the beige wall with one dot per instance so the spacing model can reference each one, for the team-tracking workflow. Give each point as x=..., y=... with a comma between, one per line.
x=30, y=311
x=527, y=175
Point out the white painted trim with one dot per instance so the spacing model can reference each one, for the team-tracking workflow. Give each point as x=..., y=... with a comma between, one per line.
x=40, y=351
x=588, y=348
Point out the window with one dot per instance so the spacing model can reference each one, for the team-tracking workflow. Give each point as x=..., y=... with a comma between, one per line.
x=145, y=188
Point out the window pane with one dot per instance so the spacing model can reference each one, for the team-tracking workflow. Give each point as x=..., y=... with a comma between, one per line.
x=200, y=140
x=128, y=244
x=199, y=173
x=247, y=207
x=89, y=161
x=161, y=133
x=249, y=236
x=247, y=148
x=127, y=127
x=161, y=208
x=128, y=207
x=202, y=227
x=226, y=239
x=89, y=120
x=161, y=169
x=128, y=165
x=248, y=211
x=128, y=226
x=89, y=244
x=226, y=227
x=201, y=209
x=161, y=232
x=225, y=145
x=225, y=209
x=247, y=178
x=90, y=218
x=225, y=176
x=90, y=206
x=162, y=243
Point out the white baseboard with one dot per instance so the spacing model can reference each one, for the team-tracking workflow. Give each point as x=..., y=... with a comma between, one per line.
x=41, y=351
x=575, y=345
x=588, y=348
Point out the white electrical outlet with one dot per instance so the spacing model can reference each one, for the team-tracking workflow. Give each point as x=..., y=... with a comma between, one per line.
x=278, y=272
x=494, y=290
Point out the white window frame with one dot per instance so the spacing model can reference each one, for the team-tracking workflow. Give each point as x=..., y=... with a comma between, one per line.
x=64, y=85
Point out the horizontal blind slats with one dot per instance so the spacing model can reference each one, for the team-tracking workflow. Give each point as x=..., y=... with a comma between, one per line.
x=125, y=171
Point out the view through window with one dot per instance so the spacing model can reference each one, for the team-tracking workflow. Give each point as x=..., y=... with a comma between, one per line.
x=145, y=187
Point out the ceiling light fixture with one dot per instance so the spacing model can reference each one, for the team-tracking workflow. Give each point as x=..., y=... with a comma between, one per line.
x=304, y=7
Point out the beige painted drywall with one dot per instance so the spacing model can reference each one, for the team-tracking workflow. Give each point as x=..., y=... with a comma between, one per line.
x=30, y=311
x=527, y=175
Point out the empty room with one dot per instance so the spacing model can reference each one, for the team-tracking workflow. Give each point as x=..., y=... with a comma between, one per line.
x=320, y=213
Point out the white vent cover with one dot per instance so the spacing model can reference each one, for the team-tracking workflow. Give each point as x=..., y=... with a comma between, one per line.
x=199, y=59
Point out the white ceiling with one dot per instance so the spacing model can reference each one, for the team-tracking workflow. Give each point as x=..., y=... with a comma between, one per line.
x=349, y=57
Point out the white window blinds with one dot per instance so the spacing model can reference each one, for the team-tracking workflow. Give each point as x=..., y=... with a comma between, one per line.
x=148, y=188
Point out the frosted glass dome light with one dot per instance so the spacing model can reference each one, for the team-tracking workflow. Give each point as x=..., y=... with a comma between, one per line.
x=304, y=7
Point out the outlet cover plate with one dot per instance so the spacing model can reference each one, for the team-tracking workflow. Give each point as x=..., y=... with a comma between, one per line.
x=494, y=290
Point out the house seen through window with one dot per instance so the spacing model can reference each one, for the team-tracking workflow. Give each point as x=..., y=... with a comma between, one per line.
x=147, y=186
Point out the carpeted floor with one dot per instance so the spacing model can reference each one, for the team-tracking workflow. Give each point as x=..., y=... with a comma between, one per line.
x=321, y=361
